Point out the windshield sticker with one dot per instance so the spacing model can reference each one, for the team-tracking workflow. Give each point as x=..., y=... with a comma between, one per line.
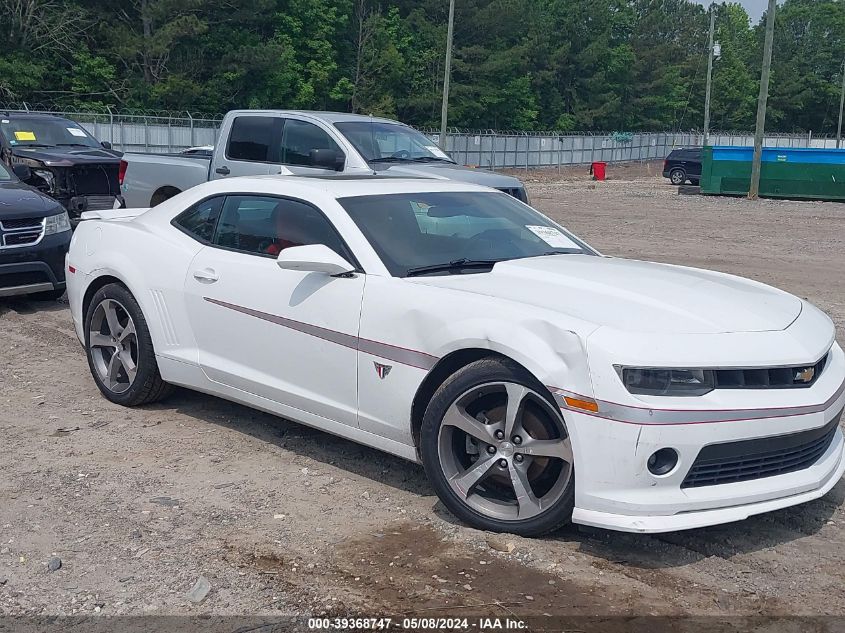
x=5, y=121
x=437, y=151
x=76, y=131
x=24, y=136
x=553, y=237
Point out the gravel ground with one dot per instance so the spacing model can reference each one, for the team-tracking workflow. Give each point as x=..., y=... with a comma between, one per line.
x=137, y=505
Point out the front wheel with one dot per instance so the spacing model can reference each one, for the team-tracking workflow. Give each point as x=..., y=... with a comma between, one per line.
x=497, y=451
x=120, y=349
x=677, y=176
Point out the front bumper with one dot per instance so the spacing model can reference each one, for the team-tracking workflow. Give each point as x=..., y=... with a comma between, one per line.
x=37, y=268
x=77, y=205
x=615, y=490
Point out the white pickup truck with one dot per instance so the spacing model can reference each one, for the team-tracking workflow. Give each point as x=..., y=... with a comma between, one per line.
x=288, y=142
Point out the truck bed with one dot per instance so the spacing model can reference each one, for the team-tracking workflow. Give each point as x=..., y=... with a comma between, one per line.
x=150, y=176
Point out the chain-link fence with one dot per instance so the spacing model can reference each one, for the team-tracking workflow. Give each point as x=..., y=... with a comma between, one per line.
x=148, y=132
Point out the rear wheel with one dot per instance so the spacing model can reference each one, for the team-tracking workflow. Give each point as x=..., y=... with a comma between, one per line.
x=677, y=176
x=120, y=349
x=497, y=450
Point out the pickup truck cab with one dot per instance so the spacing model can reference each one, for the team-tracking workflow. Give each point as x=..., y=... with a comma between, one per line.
x=288, y=142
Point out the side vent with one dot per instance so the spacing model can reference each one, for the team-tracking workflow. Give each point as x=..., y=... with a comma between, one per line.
x=166, y=323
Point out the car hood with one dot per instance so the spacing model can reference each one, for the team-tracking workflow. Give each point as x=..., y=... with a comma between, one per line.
x=447, y=170
x=18, y=200
x=69, y=156
x=632, y=295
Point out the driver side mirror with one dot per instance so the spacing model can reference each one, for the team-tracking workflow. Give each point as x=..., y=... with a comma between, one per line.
x=106, y=145
x=315, y=258
x=327, y=159
x=23, y=172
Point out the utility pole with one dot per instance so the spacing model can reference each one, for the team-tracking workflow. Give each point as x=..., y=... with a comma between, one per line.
x=444, y=112
x=754, y=189
x=841, y=108
x=706, y=139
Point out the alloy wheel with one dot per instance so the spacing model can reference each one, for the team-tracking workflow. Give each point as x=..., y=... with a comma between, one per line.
x=504, y=451
x=113, y=345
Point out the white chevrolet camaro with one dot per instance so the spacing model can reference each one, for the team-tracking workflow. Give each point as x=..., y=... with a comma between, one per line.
x=537, y=381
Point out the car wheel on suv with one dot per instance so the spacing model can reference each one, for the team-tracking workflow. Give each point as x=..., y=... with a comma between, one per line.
x=677, y=176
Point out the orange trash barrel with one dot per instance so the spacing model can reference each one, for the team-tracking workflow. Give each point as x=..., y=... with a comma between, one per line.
x=598, y=170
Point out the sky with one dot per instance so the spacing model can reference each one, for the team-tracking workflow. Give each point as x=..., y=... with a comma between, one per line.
x=755, y=8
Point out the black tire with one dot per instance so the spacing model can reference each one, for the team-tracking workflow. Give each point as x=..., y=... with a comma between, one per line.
x=48, y=295
x=694, y=182
x=481, y=374
x=677, y=176
x=147, y=385
x=165, y=193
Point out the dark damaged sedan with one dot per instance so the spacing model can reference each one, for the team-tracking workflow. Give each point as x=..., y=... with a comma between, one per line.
x=65, y=161
x=34, y=238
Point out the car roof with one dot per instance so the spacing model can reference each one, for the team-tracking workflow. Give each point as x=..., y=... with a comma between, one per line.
x=328, y=117
x=31, y=115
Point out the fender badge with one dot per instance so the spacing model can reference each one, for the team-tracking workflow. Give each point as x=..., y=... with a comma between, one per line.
x=382, y=370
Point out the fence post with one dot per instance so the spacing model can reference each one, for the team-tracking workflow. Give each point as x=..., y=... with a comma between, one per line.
x=146, y=136
x=111, y=125
x=559, y=147
x=193, y=143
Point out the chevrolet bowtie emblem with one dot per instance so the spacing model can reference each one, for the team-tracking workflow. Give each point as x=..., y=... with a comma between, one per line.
x=382, y=370
x=805, y=375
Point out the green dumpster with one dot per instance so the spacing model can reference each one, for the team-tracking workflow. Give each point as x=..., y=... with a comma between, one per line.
x=816, y=174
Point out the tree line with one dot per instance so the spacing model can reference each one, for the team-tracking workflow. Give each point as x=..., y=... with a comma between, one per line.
x=518, y=64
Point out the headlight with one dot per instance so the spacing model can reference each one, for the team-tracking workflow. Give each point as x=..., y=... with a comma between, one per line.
x=659, y=381
x=57, y=223
x=47, y=176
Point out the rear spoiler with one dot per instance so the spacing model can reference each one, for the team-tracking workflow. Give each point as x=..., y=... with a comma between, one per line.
x=112, y=214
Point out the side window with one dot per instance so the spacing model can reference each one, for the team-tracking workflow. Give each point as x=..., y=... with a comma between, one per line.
x=300, y=138
x=267, y=226
x=254, y=138
x=199, y=220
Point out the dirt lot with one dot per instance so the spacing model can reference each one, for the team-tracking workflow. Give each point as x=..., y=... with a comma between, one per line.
x=281, y=519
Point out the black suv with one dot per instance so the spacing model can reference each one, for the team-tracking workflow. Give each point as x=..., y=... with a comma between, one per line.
x=34, y=238
x=683, y=164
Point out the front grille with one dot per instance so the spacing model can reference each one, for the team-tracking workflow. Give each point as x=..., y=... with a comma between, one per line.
x=763, y=457
x=20, y=223
x=94, y=180
x=516, y=192
x=21, y=232
x=21, y=239
x=770, y=377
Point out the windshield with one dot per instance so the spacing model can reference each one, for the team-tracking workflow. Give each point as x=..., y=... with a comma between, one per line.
x=386, y=142
x=451, y=231
x=4, y=174
x=45, y=132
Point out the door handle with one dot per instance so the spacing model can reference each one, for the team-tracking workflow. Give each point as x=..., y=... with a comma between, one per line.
x=223, y=171
x=206, y=275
